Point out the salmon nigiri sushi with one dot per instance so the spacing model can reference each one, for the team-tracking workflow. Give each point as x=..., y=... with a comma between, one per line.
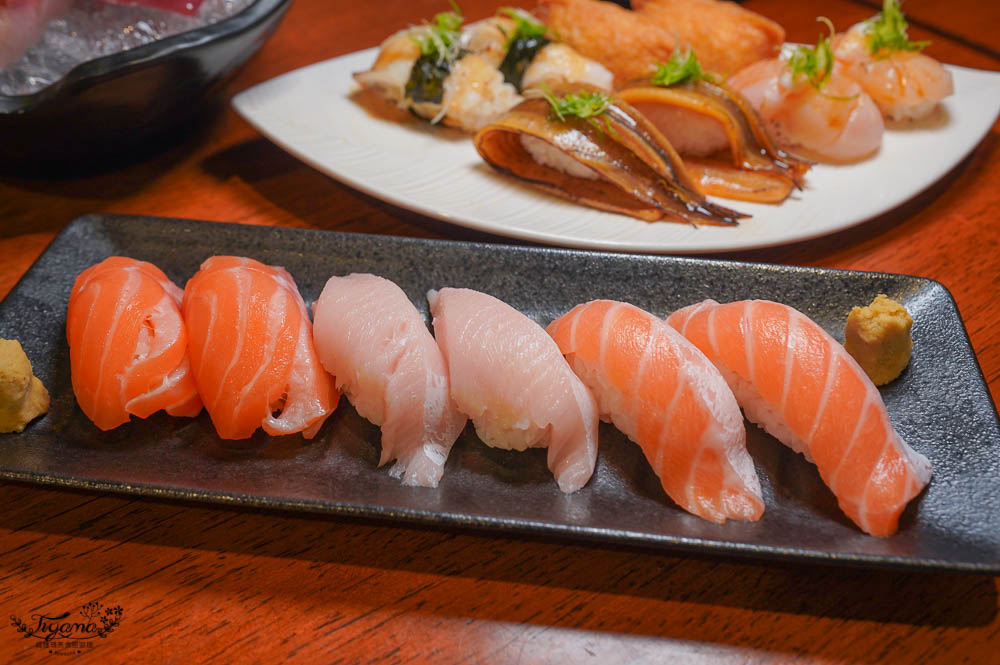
x=508, y=376
x=252, y=350
x=373, y=340
x=798, y=383
x=665, y=395
x=128, y=346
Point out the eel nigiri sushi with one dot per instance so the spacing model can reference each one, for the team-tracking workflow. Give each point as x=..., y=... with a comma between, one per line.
x=370, y=336
x=509, y=377
x=792, y=378
x=609, y=156
x=128, y=345
x=252, y=350
x=665, y=395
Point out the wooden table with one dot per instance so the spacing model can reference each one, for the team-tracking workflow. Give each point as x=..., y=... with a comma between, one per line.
x=214, y=585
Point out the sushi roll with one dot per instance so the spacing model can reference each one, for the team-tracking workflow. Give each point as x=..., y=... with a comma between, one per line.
x=802, y=387
x=370, y=336
x=128, y=345
x=509, y=377
x=665, y=395
x=252, y=350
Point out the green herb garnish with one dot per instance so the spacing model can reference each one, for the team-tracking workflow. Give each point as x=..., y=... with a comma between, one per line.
x=888, y=31
x=680, y=69
x=444, y=36
x=814, y=62
x=523, y=44
x=586, y=105
x=525, y=26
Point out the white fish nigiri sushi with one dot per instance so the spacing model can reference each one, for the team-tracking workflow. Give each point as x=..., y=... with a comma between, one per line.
x=509, y=377
x=370, y=336
x=798, y=383
x=665, y=395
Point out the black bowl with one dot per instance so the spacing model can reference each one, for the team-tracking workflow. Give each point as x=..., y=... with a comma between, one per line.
x=118, y=106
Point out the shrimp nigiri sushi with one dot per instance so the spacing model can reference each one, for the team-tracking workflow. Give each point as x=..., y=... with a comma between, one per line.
x=509, y=377
x=665, y=395
x=797, y=382
x=810, y=104
x=837, y=124
x=252, y=350
x=128, y=345
x=903, y=82
x=370, y=336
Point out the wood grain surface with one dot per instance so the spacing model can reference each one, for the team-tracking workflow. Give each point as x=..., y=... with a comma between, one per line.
x=216, y=585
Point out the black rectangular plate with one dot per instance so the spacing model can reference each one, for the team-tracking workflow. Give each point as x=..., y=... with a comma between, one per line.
x=940, y=404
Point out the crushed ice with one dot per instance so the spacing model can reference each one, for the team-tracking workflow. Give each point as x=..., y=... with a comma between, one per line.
x=93, y=29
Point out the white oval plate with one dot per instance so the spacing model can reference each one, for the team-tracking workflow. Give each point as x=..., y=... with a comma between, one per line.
x=310, y=112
